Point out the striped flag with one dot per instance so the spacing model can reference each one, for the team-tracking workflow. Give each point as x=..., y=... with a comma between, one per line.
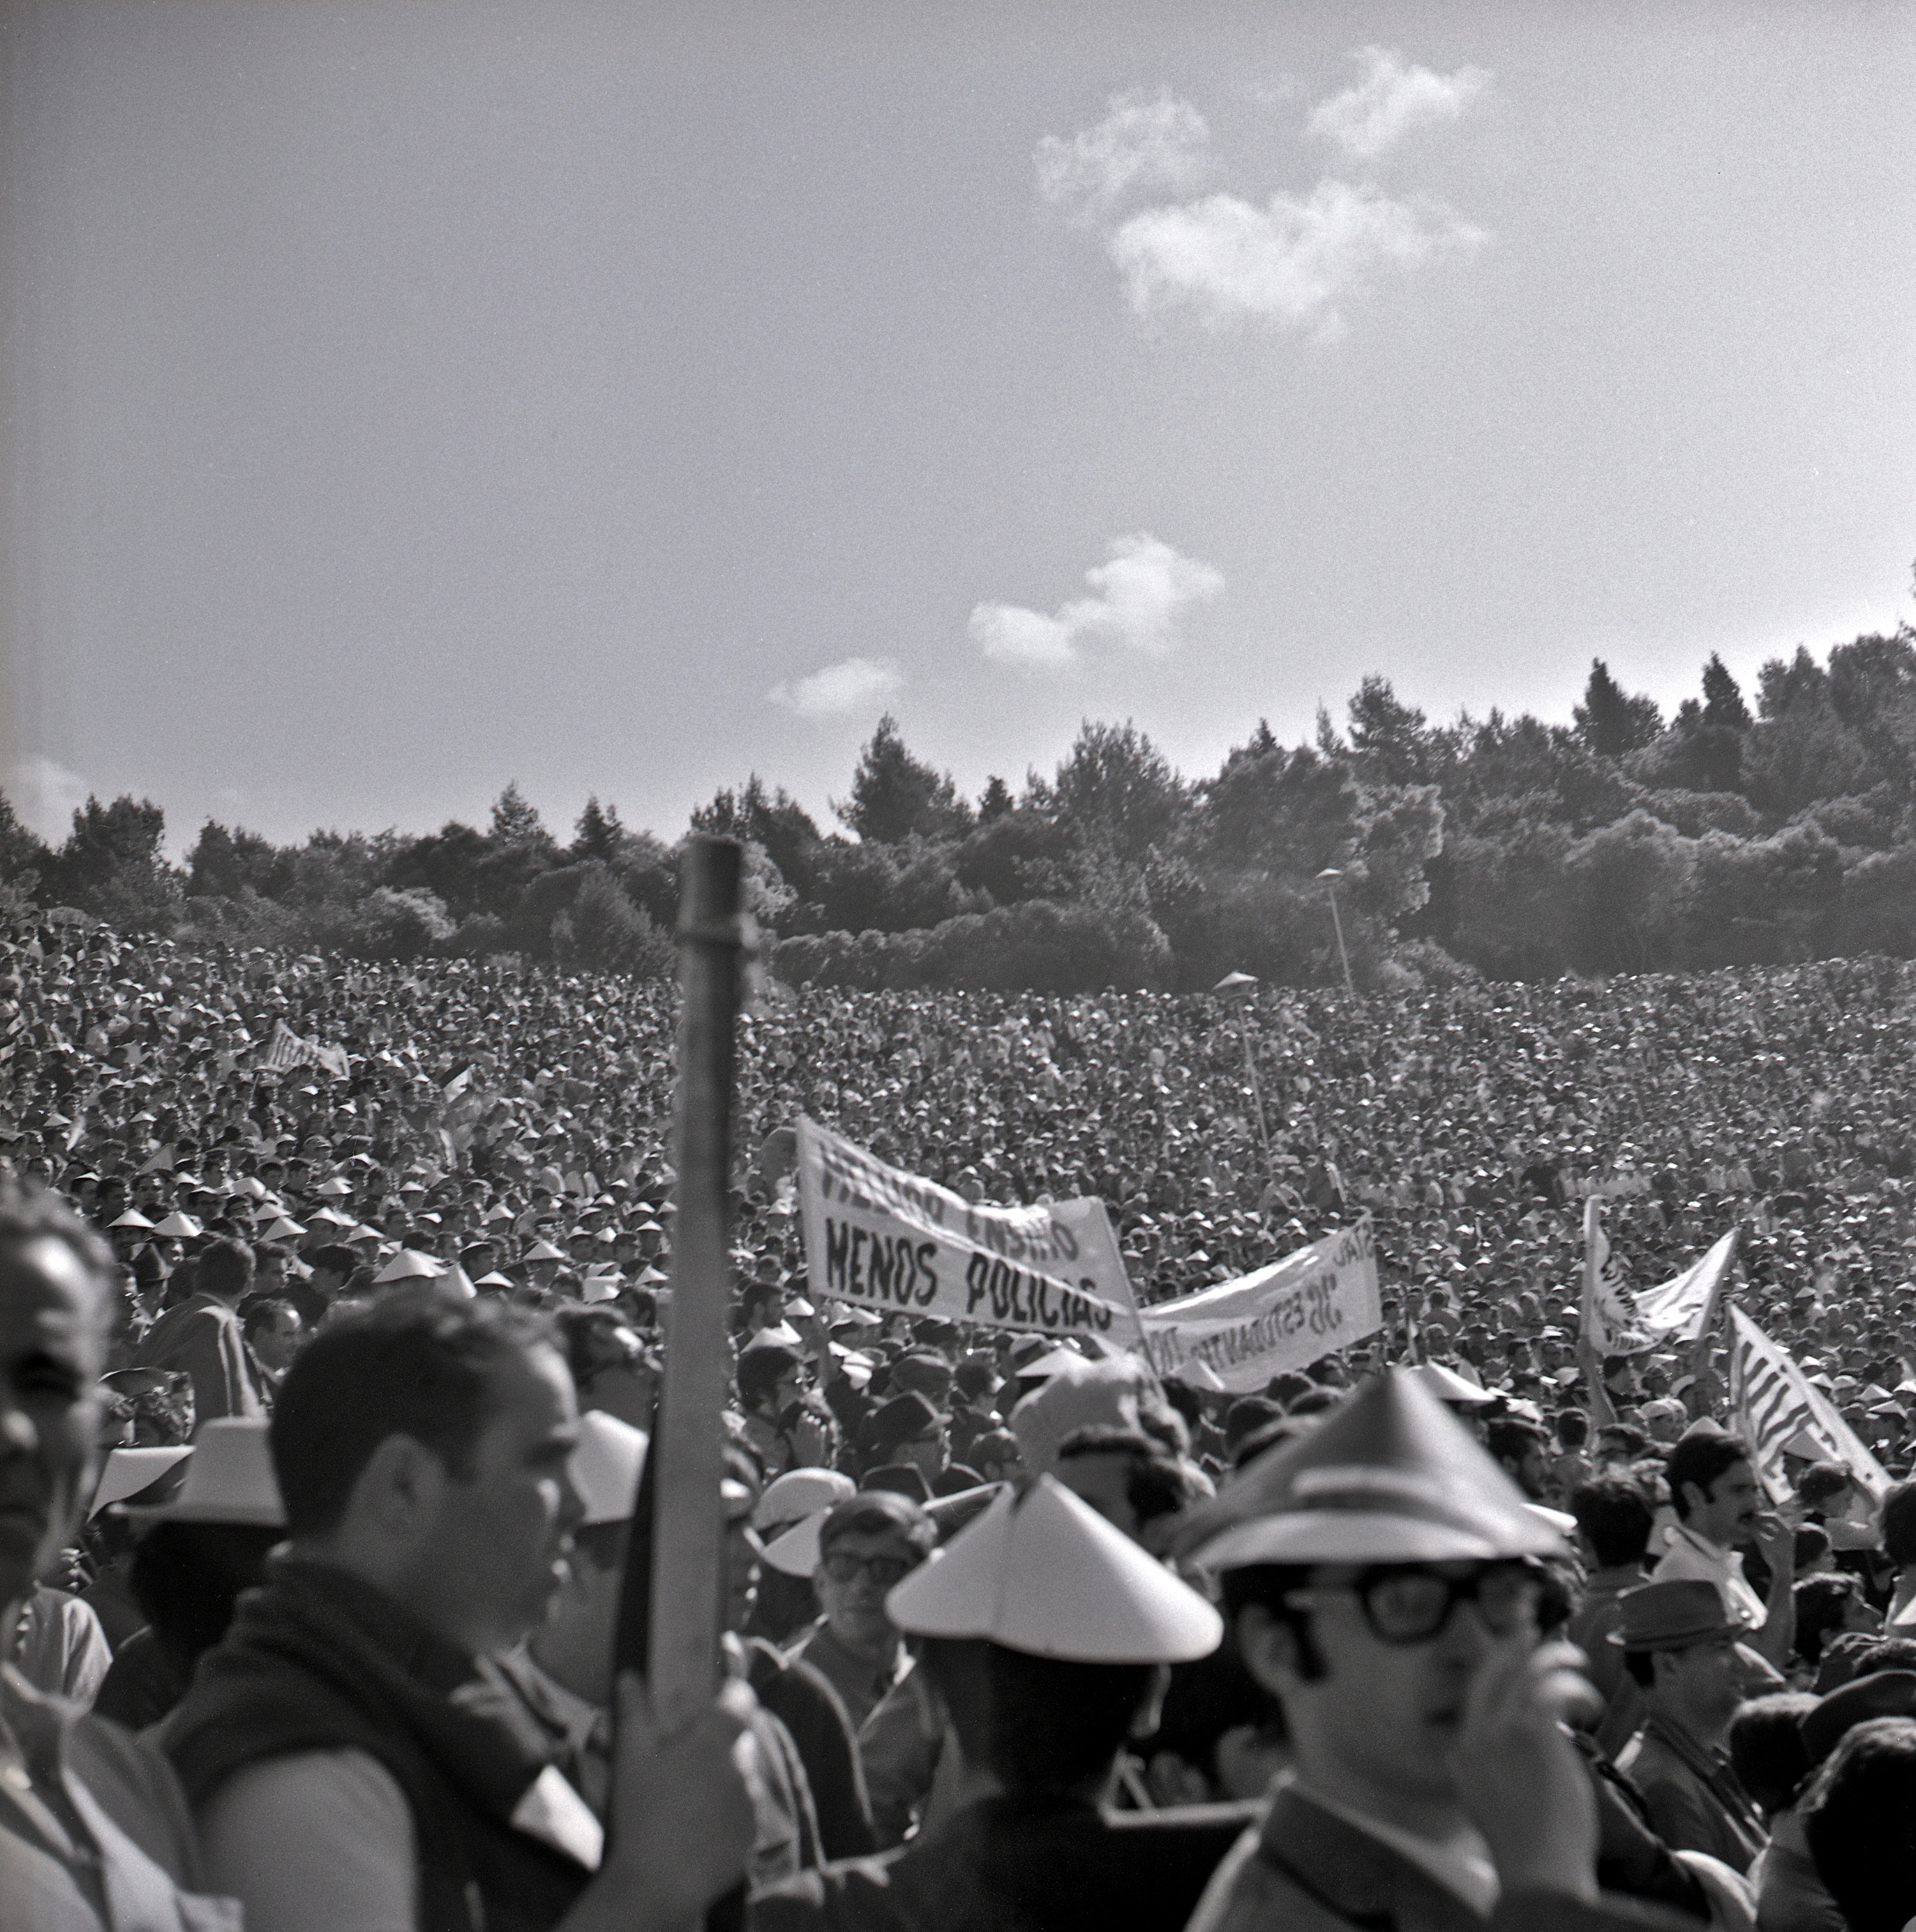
x=1772, y=1403
x=285, y=1050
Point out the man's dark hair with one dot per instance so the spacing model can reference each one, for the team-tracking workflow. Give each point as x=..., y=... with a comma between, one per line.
x=1509, y=1438
x=420, y=1364
x=1154, y=1482
x=225, y=1269
x=1627, y=1435
x=879, y=1512
x=261, y=1314
x=1821, y=1602
x=1703, y=1458
x=1246, y=1416
x=1822, y=1482
x=1616, y=1520
x=335, y=1258
x=1043, y=1727
x=760, y=1369
x=1899, y=1524
x=1269, y=1586
x=1860, y=1817
x=1767, y=1749
x=1573, y=1428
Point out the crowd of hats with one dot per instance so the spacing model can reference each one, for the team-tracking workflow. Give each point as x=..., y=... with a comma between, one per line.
x=516, y=1127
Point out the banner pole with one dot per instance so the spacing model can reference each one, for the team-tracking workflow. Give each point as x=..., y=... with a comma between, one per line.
x=688, y=1530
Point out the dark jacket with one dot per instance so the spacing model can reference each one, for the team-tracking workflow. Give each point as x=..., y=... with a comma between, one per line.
x=1009, y=1864
x=1307, y=1869
x=318, y=1660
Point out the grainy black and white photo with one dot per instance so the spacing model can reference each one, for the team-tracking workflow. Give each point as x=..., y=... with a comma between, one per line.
x=958, y=966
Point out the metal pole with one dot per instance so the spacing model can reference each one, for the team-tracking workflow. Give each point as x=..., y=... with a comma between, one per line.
x=1257, y=1096
x=688, y=1580
x=1349, y=991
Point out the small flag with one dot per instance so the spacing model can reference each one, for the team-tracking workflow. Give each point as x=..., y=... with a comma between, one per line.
x=1773, y=1403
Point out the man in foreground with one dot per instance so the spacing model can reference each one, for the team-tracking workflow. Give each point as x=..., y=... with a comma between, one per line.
x=94, y=1834
x=336, y=1778
x=1375, y=1574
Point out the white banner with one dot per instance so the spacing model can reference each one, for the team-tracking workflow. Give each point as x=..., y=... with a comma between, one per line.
x=1606, y=1316
x=891, y=1241
x=1320, y=1299
x=1772, y=1402
x=1682, y=1309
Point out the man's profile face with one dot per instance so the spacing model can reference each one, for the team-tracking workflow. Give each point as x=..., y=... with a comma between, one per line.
x=1729, y=1514
x=853, y=1578
x=52, y=1344
x=495, y=1554
x=1386, y=1713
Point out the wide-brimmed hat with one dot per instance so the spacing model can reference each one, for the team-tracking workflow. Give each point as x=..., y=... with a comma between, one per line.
x=1389, y=1477
x=1673, y=1615
x=230, y=1479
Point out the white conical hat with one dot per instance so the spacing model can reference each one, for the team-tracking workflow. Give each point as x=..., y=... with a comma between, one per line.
x=284, y=1229
x=1044, y=1574
x=230, y=1479
x=131, y=1218
x=128, y=1471
x=410, y=1265
x=180, y=1227
x=1447, y=1386
x=606, y=1466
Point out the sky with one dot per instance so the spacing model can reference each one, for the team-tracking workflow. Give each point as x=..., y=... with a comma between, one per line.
x=399, y=399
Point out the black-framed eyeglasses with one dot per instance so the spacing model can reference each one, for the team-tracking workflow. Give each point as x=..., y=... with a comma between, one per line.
x=1411, y=1603
x=842, y=1566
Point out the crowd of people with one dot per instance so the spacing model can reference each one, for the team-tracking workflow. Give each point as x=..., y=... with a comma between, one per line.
x=332, y=1300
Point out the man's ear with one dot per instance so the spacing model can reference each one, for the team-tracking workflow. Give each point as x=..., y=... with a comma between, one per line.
x=398, y=1492
x=1268, y=1645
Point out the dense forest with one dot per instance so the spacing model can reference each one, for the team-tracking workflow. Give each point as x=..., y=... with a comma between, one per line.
x=1776, y=826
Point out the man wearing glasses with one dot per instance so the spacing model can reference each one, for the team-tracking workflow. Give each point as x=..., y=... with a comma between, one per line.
x=867, y=1544
x=1377, y=1575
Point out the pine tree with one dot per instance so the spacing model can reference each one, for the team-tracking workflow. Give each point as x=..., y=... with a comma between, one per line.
x=1722, y=697
x=598, y=832
x=1610, y=723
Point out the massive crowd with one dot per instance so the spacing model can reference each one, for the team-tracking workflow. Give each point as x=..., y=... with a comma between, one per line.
x=325, y=1259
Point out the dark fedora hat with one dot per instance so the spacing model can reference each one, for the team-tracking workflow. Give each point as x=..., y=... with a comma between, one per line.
x=1672, y=1616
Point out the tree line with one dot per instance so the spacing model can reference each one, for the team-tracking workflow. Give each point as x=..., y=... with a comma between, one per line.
x=1621, y=842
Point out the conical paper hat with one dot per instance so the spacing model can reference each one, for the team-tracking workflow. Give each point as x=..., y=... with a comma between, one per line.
x=1390, y=1476
x=410, y=1265
x=1447, y=1385
x=1044, y=1574
x=605, y=1466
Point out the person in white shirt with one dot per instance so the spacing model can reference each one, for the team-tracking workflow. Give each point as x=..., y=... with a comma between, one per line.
x=1714, y=1489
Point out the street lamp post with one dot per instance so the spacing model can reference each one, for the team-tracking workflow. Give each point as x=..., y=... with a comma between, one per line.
x=1330, y=876
x=1239, y=986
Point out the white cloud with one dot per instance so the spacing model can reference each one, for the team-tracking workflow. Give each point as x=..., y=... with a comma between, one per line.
x=1290, y=262
x=1142, y=146
x=839, y=689
x=45, y=795
x=1390, y=100
x=1138, y=595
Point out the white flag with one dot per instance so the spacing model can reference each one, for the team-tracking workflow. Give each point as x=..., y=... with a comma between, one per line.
x=1772, y=1402
x=1683, y=1309
x=1606, y=1317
